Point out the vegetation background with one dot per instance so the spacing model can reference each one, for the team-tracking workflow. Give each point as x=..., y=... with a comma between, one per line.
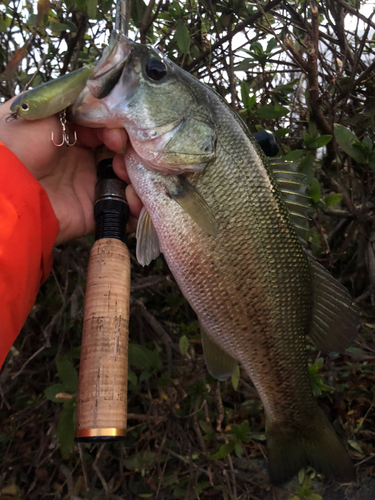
x=303, y=69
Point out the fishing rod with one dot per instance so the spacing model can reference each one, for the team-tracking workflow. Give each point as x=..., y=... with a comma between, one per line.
x=103, y=373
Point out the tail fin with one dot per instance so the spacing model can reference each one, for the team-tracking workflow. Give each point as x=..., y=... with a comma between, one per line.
x=316, y=444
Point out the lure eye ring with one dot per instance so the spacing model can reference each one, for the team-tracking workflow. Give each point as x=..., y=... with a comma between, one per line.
x=156, y=69
x=25, y=106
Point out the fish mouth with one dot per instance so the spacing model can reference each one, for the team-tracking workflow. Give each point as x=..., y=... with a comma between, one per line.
x=109, y=69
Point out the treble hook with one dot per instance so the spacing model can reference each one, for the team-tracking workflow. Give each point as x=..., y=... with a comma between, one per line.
x=65, y=134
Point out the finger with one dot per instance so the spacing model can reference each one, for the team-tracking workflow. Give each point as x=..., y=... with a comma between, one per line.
x=119, y=168
x=131, y=226
x=88, y=137
x=115, y=139
x=135, y=203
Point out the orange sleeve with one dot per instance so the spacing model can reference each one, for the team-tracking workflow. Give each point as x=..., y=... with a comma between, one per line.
x=28, y=230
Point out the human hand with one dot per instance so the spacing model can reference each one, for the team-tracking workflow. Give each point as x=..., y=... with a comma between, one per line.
x=68, y=174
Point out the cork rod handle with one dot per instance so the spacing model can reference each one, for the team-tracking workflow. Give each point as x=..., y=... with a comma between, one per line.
x=102, y=395
x=103, y=374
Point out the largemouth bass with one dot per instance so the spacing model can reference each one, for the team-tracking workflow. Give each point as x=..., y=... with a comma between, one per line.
x=215, y=210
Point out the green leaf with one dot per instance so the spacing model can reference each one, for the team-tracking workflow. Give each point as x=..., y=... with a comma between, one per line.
x=236, y=378
x=91, y=8
x=143, y=358
x=58, y=27
x=202, y=486
x=145, y=375
x=245, y=65
x=317, y=380
x=371, y=160
x=319, y=363
x=323, y=140
x=32, y=21
x=164, y=381
x=270, y=112
x=184, y=344
x=251, y=102
x=205, y=427
x=257, y=47
x=51, y=391
x=3, y=25
x=239, y=432
x=194, y=326
x=271, y=45
x=140, y=460
x=306, y=166
x=356, y=350
x=355, y=445
x=182, y=37
x=346, y=140
x=245, y=94
x=66, y=429
x=315, y=190
x=132, y=377
x=238, y=449
x=333, y=199
x=301, y=475
x=367, y=142
x=67, y=373
x=294, y=155
x=224, y=451
x=257, y=436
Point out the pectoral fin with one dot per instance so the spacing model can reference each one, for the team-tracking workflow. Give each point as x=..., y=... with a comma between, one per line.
x=219, y=364
x=193, y=203
x=148, y=247
x=335, y=316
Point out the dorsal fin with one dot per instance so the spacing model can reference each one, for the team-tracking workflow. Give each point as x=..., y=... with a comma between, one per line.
x=293, y=187
x=336, y=319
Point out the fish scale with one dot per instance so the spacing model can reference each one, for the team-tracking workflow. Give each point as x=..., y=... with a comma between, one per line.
x=216, y=212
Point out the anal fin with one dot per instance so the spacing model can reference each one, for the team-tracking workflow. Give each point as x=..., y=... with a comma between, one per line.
x=219, y=364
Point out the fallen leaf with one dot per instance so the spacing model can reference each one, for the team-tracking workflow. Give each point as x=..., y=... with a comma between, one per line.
x=13, y=64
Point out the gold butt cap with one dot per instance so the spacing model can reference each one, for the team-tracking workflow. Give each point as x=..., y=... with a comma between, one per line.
x=104, y=432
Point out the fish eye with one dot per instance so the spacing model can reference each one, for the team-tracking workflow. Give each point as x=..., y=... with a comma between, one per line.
x=25, y=106
x=156, y=69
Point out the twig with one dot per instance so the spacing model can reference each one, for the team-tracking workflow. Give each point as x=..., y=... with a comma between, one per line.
x=355, y=12
x=84, y=470
x=197, y=429
x=219, y=406
x=97, y=470
x=240, y=26
x=28, y=361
